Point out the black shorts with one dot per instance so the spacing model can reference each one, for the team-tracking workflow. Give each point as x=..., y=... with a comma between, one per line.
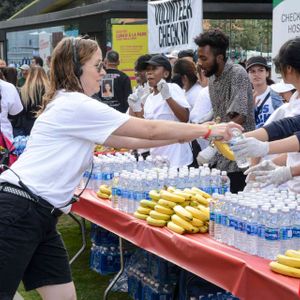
x=31, y=249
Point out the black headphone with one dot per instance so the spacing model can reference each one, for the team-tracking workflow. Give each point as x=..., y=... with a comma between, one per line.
x=77, y=65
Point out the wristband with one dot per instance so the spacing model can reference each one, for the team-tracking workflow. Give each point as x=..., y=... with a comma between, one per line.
x=208, y=133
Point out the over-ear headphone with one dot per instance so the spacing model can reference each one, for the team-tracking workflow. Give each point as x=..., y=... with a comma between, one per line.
x=77, y=65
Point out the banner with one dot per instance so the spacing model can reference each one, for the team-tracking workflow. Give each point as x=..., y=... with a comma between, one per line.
x=130, y=41
x=173, y=24
x=286, y=24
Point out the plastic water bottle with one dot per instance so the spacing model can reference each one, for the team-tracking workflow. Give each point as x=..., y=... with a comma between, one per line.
x=232, y=221
x=286, y=229
x=115, y=190
x=272, y=234
x=296, y=228
x=237, y=136
x=214, y=184
x=138, y=195
x=218, y=218
x=251, y=229
x=261, y=242
x=212, y=216
x=225, y=183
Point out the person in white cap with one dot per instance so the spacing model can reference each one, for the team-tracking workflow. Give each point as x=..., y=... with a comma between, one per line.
x=24, y=72
x=172, y=57
x=285, y=90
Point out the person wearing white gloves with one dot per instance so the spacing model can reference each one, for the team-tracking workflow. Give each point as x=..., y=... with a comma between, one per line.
x=256, y=143
x=167, y=102
x=137, y=99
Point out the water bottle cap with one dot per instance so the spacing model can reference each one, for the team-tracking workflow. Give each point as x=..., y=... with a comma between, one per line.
x=285, y=209
x=273, y=210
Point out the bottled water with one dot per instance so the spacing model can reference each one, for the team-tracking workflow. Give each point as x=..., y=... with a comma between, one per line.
x=286, y=229
x=212, y=216
x=130, y=197
x=125, y=193
x=232, y=222
x=237, y=136
x=115, y=191
x=296, y=228
x=251, y=229
x=225, y=183
x=138, y=195
x=261, y=242
x=226, y=207
x=214, y=183
x=272, y=234
x=218, y=218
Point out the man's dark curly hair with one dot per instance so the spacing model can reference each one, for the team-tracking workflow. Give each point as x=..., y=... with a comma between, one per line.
x=214, y=38
x=140, y=62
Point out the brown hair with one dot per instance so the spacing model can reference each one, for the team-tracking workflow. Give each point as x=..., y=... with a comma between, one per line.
x=35, y=87
x=69, y=54
x=10, y=75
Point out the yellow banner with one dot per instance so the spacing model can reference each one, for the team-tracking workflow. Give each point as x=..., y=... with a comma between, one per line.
x=130, y=41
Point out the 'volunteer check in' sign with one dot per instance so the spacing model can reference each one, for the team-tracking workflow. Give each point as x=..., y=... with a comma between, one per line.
x=173, y=24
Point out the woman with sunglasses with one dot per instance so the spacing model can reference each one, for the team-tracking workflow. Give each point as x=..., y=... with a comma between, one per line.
x=39, y=186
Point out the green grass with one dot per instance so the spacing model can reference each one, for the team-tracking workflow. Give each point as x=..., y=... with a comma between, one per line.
x=89, y=285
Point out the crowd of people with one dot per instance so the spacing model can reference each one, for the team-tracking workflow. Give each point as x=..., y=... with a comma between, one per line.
x=181, y=103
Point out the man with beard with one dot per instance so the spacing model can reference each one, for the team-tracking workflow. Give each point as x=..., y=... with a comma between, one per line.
x=230, y=93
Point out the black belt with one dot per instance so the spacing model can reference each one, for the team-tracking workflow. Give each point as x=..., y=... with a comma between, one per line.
x=9, y=188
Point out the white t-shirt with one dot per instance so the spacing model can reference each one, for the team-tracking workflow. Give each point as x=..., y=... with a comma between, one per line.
x=266, y=110
x=202, y=112
x=158, y=109
x=10, y=105
x=192, y=94
x=60, y=147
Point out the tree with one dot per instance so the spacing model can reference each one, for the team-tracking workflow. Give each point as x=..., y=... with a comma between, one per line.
x=9, y=7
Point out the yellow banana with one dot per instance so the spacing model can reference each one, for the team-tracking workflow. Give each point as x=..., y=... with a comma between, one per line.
x=196, y=213
x=181, y=222
x=224, y=149
x=174, y=227
x=171, y=189
x=147, y=203
x=202, y=193
x=185, y=203
x=166, y=203
x=140, y=216
x=143, y=210
x=186, y=196
x=194, y=203
x=288, y=261
x=200, y=199
x=155, y=222
x=189, y=191
x=164, y=210
x=203, y=229
x=183, y=213
x=284, y=270
x=171, y=197
x=154, y=195
x=292, y=253
x=105, y=189
x=194, y=230
x=159, y=216
x=197, y=223
x=205, y=210
x=103, y=195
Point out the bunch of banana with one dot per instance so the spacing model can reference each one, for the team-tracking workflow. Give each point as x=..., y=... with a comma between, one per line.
x=144, y=209
x=181, y=211
x=288, y=264
x=104, y=192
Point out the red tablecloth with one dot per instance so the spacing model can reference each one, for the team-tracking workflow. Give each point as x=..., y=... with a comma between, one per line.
x=246, y=276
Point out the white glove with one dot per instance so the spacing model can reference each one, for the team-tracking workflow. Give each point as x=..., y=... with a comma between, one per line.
x=206, y=155
x=250, y=147
x=164, y=90
x=276, y=177
x=139, y=91
x=266, y=165
x=134, y=102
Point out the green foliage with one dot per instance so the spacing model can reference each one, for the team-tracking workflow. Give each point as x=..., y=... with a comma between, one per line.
x=10, y=7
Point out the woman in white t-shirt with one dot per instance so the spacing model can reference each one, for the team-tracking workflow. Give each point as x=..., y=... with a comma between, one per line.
x=39, y=186
x=167, y=102
x=265, y=100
